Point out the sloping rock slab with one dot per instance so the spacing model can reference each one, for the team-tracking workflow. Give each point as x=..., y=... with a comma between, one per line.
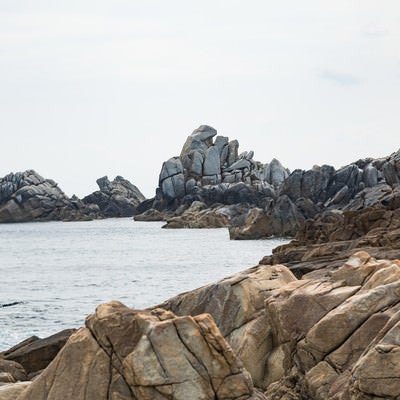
x=142, y=355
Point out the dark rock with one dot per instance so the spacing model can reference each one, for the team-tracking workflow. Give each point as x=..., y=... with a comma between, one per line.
x=26, y=196
x=34, y=355
x=118, y=198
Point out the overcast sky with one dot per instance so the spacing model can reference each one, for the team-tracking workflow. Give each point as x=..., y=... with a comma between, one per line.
x=94, y=87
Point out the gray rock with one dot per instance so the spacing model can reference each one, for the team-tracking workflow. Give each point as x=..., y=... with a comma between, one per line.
x=240, y=164
x=276, y=173
x=370, y=176
x=27, y=196
x=233, y=147
x=174, y=186
x=391, y=169
x=200, y=140
x=118, y=198
x=211, y=164
x=170, y=168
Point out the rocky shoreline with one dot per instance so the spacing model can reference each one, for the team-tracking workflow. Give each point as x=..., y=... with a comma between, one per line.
x=27, y=196
x=317, y=319
x=332, y=333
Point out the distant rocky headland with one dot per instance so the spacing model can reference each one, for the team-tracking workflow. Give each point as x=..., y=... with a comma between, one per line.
x=317, y=319
x=27, y=196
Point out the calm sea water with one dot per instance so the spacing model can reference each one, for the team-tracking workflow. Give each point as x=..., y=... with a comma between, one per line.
x=53, y=274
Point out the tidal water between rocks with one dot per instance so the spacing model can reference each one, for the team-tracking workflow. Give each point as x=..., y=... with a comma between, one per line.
x=55, y=273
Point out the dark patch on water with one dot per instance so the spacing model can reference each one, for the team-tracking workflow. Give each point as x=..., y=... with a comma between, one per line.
x=14, y=303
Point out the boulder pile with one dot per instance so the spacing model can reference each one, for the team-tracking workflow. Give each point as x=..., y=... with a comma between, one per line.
x=27, y=196
x=273, y=201
x=118, y=198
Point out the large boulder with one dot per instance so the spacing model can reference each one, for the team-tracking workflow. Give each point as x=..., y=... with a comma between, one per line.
x=237, y=307
x=144, y=355
x=118, y=198
x=27, y=196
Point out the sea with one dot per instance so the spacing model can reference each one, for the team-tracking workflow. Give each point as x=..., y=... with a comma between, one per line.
x=53, y=274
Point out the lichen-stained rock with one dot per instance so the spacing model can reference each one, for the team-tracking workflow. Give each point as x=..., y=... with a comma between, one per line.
x=338, y=335
x=237, y=307
x=144, y=355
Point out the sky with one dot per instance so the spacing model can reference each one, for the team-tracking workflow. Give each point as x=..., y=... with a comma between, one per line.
x=93, y=87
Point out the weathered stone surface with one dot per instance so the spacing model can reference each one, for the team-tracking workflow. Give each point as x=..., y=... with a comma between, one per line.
x=15, y=370
x=338, y=336
x=37, y=354
x=151, y=215
x=144, y=355
x=118, y=198
x=237, y=307
x=26, y=196
x=13, y=391
x=391, y=169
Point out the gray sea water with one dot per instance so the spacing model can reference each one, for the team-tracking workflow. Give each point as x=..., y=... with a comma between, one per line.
x=55, y=273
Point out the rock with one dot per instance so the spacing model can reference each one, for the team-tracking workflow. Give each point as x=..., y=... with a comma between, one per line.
x=14, y=369
x=13, y=391
x=150, y=215
x=276, y=173
x=172, y=181
x=237, y=307
x=370, y=176
x=330, y=333
x=233, y=146
x=26, y=196
x=37, y=354
x=391, y=169
x=141, y=355
x=118, y=198
x=199, y=216
x=212, y=162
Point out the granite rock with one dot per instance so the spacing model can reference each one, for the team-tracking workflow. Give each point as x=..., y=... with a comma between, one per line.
x=27, y=196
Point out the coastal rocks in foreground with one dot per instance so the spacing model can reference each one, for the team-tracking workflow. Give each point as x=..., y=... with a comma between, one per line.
x=26, y=196
x=118, y=198
x=334, y=336
x=144, y=355
x=338, y=338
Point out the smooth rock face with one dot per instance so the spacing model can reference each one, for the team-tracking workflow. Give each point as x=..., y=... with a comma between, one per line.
x=26, y=196
x=118, y=198
x=237, y=307
x=128, y=354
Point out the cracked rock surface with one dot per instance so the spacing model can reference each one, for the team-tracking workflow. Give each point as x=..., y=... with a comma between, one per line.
x=128, y=354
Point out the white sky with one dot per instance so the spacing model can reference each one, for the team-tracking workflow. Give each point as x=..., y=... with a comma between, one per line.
x=94, y=87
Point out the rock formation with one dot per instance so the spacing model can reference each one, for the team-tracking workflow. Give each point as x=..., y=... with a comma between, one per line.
x=329, y=336
x=274, y=202
x=129, y=354
x=118, y=198
x=26, y=196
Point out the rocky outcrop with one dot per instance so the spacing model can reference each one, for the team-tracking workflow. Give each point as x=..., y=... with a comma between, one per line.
x=338, y=337
x=26, y=196
x=129, y=354
x=237, y=307
x=325, y=242
x=274, y=201
x=118, y=198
